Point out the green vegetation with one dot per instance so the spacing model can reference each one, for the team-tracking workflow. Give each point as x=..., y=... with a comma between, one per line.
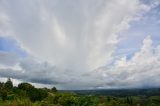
x=27, y=95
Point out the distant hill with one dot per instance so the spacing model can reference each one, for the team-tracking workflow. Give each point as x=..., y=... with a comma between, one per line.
x=121, y=92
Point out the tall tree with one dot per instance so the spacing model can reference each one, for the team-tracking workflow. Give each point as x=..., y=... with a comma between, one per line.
x=8, y=84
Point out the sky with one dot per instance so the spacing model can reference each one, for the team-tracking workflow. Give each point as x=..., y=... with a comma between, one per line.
x=81, y=44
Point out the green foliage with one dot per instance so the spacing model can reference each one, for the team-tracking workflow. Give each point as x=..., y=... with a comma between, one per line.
x=18, y=102
x=54, y=89
x=8, y=85
x=129, y=100
x=37, y=94
x=87, y=101
x=34, y=94
x=25, y=86
x=3, y=94
x=27, y=95
x=155, y=101
x=1, y=85
x=21, y=94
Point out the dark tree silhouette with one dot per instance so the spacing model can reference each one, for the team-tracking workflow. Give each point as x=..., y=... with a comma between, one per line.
x=54, y=89
x=25, y=86
x=8, y=84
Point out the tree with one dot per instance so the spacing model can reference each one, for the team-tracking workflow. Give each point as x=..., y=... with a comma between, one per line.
x=54, y=89
x=34, y=94
x=1, y=85
x=25, y=86
x=8, y=84
x=37, y=94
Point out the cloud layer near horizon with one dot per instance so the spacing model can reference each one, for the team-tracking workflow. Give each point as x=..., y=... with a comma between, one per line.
x=74, y=42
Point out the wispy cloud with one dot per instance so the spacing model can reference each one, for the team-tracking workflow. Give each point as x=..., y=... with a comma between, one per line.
x=74, y=42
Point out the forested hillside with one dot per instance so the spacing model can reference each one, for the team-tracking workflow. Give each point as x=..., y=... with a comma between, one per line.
x=26, y=94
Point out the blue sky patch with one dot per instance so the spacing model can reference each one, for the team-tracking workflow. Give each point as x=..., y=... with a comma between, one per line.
x=149, y=25
x=10, y=45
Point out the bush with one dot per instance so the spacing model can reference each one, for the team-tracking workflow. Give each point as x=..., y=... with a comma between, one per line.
x=3, y=94
x=25, y=86
x=37, y=94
